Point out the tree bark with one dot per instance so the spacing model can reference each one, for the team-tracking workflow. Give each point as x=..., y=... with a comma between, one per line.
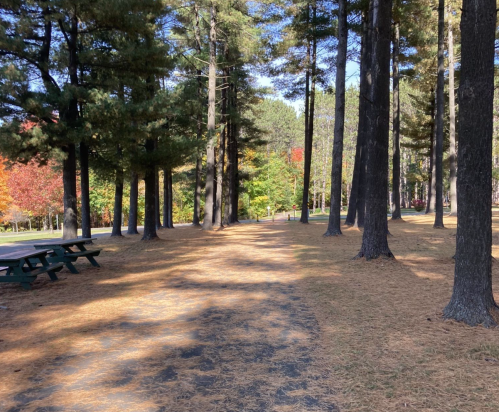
x=234, y=175
x=472, y=300
x=196, y=219
x=354, y=193
x=365, y=119
x=221, y=150
x=70, y=230
x=157, y=210
x=439, y=143
x=210, y=149
x=334, y=226
x=71, y=116
x=134, y=205
x=118, y=203
x=167, y=199
x=307, y=160
x=430, y=207
x=170, y=189
x=396, y=124
x=228, y=172
x=86, y=231
x=374, y=239
x=150, y=196
x=452, y=125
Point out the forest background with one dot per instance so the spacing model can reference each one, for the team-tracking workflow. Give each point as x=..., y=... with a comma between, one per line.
x=271, y=120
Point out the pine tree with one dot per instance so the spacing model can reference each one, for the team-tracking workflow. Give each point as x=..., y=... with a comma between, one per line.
x=472, y=300
x=374, y=241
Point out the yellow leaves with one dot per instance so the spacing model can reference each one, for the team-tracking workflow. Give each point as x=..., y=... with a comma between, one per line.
x=5, y=199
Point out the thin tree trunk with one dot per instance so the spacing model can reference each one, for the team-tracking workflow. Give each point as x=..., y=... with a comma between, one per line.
x=85, y=192
x=228, y=173
x=210, y=148
x=221, y=150
x=70, y=230
x=430, y=207
x=235, y=162
x=365, y=119
x=69, y=164
x=196, y=219
x=134, y=205
x=452, y=126
x=307, y=153
x=374, y=239
x=439, y=143
x=355, y=192
x=170, y=195
x=150, y=196
x=167, y=199
x=472, y=300
x=157, y=210
x=396, y=124
x=334, y=226
x=118, y=203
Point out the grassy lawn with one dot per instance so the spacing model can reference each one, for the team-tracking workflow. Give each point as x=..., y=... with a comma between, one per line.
x=22, y=236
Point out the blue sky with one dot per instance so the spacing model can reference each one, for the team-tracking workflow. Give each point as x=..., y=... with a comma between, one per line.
x=352, y=78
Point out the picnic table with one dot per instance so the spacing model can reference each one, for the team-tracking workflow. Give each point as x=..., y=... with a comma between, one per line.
x=60, y=251
x=22, y=266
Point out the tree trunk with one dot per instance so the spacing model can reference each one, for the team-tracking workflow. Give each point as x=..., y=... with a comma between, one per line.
x=210, y=149
x=452, y=126
x=70, y=230
x=196, y=219
x=86, y=231
x=307, y=152
x=228, y=173
x=472, y=300
x=396, y=123
x=334, y=226
x=69, y=164
x=234, y=176
x=134, y=205
x=170, y=189
x=118, y=203
x=374, y=239
x=431, y=173
x=167, y=199
x=221, y=150
x=150, y=196
x=439, y=143
x=157, y=210
x=353, y=204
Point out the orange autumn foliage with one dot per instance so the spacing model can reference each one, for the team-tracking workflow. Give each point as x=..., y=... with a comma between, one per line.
x=5, y=198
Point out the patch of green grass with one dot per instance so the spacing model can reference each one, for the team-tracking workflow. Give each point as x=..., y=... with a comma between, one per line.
x=13, y=238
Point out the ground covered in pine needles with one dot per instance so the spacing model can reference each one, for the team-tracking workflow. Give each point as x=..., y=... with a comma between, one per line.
x=257, y=317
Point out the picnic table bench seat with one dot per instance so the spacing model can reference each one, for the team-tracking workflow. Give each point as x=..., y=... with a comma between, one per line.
x=22, y=267
x=60, y=251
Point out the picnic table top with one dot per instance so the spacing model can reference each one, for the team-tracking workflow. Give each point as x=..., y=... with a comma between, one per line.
x=21, y=254
x=62, y=242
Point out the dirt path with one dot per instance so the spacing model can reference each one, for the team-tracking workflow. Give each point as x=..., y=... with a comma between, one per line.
x=207, y=322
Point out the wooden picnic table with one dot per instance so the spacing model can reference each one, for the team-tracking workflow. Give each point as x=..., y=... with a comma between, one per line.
x=60, y=251
x=22, y=266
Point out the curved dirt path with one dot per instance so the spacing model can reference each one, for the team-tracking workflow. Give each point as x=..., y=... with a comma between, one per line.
x=204, y=322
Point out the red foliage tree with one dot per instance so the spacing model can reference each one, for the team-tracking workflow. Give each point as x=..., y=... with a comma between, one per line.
x=36, y=189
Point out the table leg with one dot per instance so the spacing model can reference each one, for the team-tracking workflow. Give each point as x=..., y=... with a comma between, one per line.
x=90, y=258
x=72, y=268
x=18, y=271
x=61, y=253
x=51, y=273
